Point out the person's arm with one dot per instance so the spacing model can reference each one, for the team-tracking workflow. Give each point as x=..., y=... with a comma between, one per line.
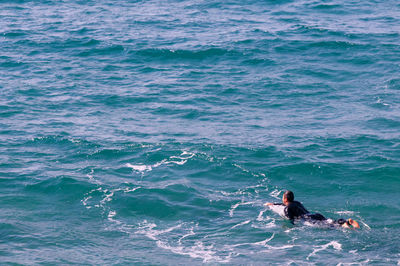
x=289, y=214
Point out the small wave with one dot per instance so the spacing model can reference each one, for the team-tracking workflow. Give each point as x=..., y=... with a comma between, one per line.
x=108, y=50
x=327, y=6
x=185, y=54
x=12, y=63
x=335, y=44
x=258, y=61
x=393, y=84
x=318, y=30
x=14, y=34
x=62, y=140
x=69, y=186
x=74, y=43
x=383, y=123
x=118, y=100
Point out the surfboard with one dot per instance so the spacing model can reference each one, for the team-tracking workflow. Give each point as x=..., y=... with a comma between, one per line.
x=279, y=209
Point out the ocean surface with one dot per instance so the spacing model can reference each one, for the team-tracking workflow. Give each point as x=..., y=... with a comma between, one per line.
x=152, y=132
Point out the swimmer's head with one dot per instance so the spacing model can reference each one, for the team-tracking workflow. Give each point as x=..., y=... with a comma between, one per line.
x=288, y=197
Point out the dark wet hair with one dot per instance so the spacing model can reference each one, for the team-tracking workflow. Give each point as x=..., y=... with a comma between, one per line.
x=289, y=195
x=341, y=221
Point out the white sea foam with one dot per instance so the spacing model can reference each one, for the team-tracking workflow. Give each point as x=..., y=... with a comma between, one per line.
x=198, y=250
x=126, y=190
x=88, y=196
x=241, y=168
x=275, y=193
x=90, y=175
x=366, y=225
x=380, y=101
x=264, y=242
x=280, y=247
x=364, y=262
x=182, y=159
x=120, y=226
x=270, y=224
x=107, y=196
x=242, y=191
x=111, y=215
x=345, y=212
x=148, y=230
x=226, y=193
x=191, y=233
x=336, y=245
x=260, y=215
x=229, y=194
x=74, y=140
x=140, y=167
x=85, y=202
x=237, y=205
x=248, y=171
x=240, y=224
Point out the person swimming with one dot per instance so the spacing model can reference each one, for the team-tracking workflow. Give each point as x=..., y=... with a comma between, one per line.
x=294, y=210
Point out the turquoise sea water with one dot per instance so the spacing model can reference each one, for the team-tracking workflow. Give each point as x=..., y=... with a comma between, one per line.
x=152, y=132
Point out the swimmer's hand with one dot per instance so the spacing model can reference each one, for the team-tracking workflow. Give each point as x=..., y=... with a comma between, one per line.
x=268, y=204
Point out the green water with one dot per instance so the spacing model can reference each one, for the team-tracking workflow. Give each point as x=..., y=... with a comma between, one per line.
x=152, y=133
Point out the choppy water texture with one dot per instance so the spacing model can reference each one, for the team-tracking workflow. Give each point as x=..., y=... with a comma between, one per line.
x=152, y=132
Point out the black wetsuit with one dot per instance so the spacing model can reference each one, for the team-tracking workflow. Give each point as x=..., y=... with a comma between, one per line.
x=296, y=210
